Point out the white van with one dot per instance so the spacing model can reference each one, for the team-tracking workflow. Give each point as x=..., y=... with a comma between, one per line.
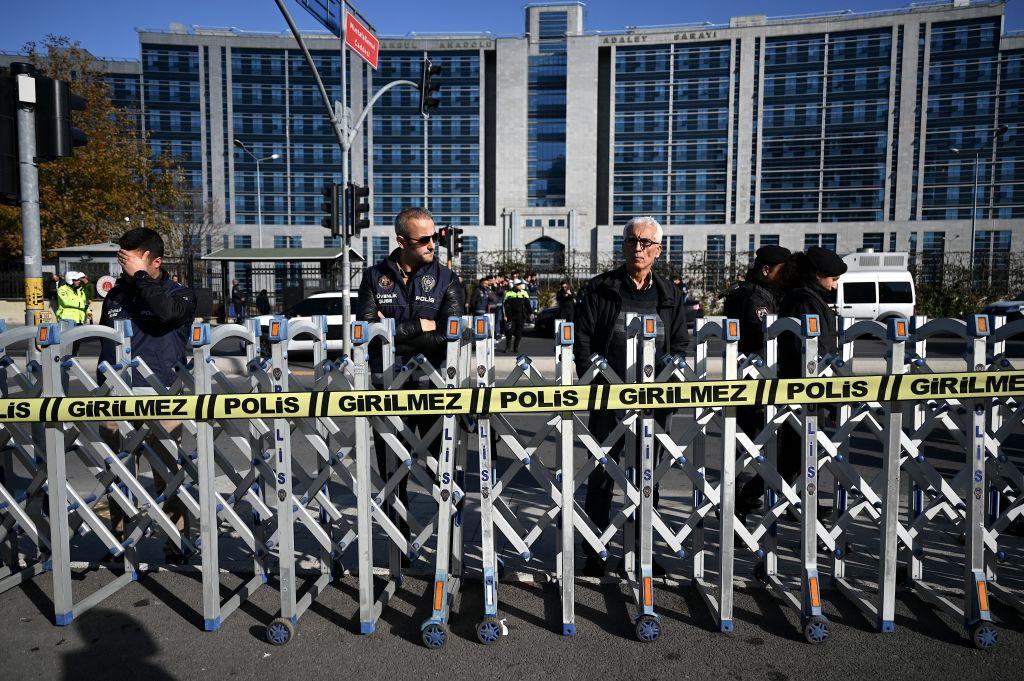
x=876, y=286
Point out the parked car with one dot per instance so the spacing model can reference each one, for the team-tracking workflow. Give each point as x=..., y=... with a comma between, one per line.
x=1011, y=309
x=328, y=303
x=544, y=322
x=876, y=286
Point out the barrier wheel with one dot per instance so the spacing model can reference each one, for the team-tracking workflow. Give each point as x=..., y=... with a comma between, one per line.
x=488, y=631
x=435, y=636
x=280, y=631
x=760, y=572
x=984, y=635
x=816, y=629
x=648, y=628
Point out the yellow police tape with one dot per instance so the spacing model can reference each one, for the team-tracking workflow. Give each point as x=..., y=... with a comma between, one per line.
x=853, y=389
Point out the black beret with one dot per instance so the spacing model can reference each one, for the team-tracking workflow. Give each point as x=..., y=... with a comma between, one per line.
x=826, y=262
x=772, y=255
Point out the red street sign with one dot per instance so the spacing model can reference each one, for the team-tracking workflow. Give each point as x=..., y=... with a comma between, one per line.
x=362, y=42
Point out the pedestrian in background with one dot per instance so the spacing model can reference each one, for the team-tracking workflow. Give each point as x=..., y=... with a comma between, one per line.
x=72, y=301
x=566, y=302
x=517, y=311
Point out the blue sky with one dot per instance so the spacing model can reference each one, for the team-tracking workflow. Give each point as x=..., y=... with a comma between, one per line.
x=107, y=27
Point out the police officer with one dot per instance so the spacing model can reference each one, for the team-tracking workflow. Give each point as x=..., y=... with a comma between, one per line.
x=810, y=280
x=412, y=287
x=758, y=295
x=517, y=310
x=72, y=301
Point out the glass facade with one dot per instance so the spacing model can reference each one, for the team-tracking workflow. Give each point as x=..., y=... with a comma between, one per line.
x=671, y=133
x=173, y=114
x=445, y=148
x=546, y=119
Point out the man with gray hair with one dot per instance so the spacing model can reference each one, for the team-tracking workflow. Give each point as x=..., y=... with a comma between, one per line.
x=601, y=329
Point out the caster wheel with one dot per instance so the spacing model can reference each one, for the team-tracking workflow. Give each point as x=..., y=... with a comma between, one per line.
x=816, y=629
x=435, y=636
x=648, y=628
x=280, y=631
x=761, y=573
x=984, y=635
x=488, y=631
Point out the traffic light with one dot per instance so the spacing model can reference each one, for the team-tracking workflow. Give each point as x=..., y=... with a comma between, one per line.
x=56, y=137
x=456, y=241
x=358, y=206
x=332, y=221
x=429, y=88
x=10, y=184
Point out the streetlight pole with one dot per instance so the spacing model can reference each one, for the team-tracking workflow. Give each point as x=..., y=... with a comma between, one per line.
x=259, y=184
x=999, y=132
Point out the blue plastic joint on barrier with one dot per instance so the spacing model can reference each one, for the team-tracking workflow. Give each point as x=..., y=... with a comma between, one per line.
x=979, y=326
x=212, y=624
x=367, y=627
x=63, y=619
x=200, y=335
x=731, y=330
x=453, y=328
x=568, y=629
x=277, y=329
x=360, y=333
x=47, y=334
x=649, y=328
x=566, y=333
x=811, y=325
x=887, y=626
x=725, y=627
x=898, y=329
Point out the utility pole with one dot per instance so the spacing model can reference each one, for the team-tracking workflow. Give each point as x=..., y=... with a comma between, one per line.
x=345, y=130
x=32, y=241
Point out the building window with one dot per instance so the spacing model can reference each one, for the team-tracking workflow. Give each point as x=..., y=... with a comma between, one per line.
x=874, y=240
x=826, y=241
x=673, y=250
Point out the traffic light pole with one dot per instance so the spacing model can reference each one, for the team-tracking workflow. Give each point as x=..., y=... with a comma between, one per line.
x=345, y=131
x=29, y=173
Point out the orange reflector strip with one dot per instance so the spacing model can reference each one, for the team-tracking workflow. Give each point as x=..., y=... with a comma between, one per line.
x=982, y=323
x=982, y=597
x=357, y=332
x=901, y=329
x=648, y=592
x=815, y=598
x=438, y=595
x=275, y=329
x=453, y=328
x=566, y=332
x=812, y=325
x=650, y=326
x=733, y=331
x=43, y=333
x=197, y=334
x=481, y=326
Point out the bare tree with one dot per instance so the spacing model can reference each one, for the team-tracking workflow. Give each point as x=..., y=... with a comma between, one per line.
x=193, y=231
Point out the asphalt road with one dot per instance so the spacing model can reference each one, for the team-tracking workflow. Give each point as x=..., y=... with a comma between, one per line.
x=141, y=633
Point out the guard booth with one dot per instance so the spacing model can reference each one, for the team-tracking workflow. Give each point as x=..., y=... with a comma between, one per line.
x=289, y=275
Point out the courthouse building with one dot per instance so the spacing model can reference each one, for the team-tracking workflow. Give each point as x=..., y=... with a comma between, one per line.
x=833, y=129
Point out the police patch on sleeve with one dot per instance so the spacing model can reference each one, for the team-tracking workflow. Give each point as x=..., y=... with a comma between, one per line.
x=427, y=283
x=385, y=282
x=761, y=312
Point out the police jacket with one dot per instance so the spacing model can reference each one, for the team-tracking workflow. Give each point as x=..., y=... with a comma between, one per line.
x=482, y=301
x=161, y=312
x=805, y=298
x=517, y=304
x=433, y=292
x=598, y=307
x=72, y=303
x=749, y=302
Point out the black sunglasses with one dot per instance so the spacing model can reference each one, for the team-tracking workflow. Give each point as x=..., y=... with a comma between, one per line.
x=423, y=240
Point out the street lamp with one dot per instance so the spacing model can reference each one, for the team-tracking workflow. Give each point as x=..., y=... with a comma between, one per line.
x=259, y=194
x=999, y=132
